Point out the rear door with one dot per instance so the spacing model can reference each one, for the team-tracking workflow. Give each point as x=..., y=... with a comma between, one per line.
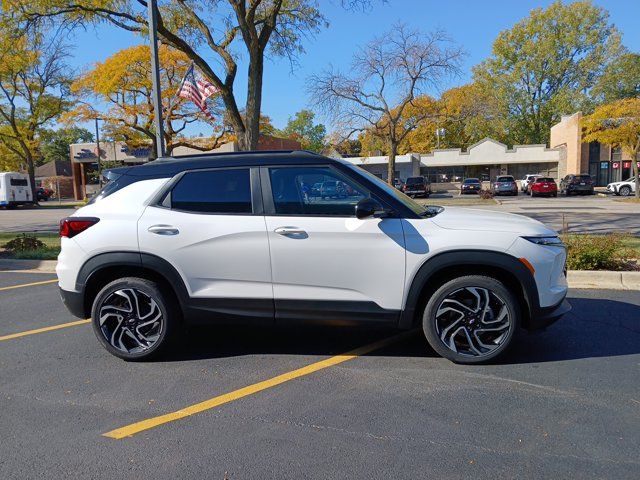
x=210, y=227
x=329, y=266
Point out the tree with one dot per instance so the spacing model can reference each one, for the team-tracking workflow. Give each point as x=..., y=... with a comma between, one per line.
x=617, y=123
x=208, y=33
x=301, y=128
x=385, y=78
x=621, y=79
x=123, y=82
x=55, y=143
x=545, y=64
x=469, y=114
x=33, y=91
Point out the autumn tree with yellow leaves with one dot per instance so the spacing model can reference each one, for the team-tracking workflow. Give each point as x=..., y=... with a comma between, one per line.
x=617, y=123
x=124, y=84
x=33, y=93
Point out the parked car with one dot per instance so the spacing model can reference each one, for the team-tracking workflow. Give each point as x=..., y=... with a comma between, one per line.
x=470, y=185
x=544, y=186
x=505, y=184
x=332, y=189
x=528, y=178
x=44, y=194
x=219, y=238
x=315, y=189
x=581, y=184
x=625, y=188
x=417, y=186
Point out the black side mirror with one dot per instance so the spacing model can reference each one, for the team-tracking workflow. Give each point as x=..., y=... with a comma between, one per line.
x=368, y=207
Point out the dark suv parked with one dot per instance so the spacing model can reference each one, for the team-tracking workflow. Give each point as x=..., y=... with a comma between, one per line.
x=417, y=186
x=581, y=184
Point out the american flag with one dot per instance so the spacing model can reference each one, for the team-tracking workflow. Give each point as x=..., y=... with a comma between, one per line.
x=196, y=88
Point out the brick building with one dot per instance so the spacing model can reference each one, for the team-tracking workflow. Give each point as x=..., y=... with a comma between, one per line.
x=604, y=163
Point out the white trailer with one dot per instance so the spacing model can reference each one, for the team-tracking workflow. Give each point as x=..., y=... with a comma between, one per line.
x=15, y=189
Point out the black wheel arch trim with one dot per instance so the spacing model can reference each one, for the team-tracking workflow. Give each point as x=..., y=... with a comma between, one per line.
x=156, y=264
x=476, y=259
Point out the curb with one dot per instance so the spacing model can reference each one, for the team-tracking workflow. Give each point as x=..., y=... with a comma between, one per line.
x=42, y=266
x=603, y=279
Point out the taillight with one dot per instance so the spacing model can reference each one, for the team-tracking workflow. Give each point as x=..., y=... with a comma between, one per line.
x=72, y=226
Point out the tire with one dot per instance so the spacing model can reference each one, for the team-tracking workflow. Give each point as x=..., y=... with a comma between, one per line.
x=136, y=341
x=555, y=195
x=533, y=194
x=624, y=191
x=439, y=319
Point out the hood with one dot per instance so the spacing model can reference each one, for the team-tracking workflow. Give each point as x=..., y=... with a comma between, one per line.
x=459, y=218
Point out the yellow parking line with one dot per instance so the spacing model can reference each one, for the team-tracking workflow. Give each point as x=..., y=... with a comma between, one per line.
x=43, y=329
x=134, y=428
x=28, y=284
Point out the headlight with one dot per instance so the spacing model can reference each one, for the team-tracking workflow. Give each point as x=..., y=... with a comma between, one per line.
x=553, y=241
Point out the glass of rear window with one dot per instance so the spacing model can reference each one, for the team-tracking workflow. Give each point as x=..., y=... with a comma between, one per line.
x=213, y=191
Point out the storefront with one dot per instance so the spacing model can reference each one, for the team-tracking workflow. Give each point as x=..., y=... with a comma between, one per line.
x=608, y=165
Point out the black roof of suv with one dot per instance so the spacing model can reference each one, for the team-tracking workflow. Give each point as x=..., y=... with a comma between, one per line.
x=169, y=166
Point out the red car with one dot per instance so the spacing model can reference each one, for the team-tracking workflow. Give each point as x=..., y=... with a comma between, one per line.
x=544, y=186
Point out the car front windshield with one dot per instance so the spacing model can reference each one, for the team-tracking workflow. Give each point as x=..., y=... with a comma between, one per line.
x=394, y=192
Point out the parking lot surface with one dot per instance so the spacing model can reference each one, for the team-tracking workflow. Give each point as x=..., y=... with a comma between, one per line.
x=564, y=402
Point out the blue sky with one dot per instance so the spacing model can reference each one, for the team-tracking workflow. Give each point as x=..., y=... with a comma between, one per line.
x=473, y=24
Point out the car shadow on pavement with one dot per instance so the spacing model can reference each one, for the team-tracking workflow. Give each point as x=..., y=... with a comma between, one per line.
x=594, y=328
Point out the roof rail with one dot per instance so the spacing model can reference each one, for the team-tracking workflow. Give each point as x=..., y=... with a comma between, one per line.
x=244, y=152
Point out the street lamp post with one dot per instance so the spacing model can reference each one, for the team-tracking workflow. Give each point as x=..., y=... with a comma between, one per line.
x=155, y=75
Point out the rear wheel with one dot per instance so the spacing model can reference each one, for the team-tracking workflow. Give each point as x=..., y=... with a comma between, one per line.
x=471, y=319
x=132, y=318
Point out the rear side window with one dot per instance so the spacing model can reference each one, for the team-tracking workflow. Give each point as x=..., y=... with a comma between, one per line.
x=415, y=180
x=213, y=191
x=19, y=182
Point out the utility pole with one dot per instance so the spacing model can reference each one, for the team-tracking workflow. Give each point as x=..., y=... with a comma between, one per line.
x=155, y=75
x=98, y=153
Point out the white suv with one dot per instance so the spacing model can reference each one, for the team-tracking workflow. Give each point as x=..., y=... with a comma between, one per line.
x=625, y=188
x=244, y=236
x=527, y=180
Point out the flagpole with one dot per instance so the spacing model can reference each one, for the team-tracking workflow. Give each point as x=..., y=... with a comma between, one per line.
x=155, y=75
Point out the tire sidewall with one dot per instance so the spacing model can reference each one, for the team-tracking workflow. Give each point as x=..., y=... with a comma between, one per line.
x=429, y=323
x=149, y=288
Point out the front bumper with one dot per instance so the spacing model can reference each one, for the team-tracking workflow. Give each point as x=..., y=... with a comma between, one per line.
x=74, y=301
x=542, y=317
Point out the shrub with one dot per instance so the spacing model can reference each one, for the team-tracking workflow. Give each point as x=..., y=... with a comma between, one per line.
x=597, y=252
x=486, y=194
x=24, y=242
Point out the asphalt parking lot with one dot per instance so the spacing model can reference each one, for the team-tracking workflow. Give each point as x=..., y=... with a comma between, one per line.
x=565, y=403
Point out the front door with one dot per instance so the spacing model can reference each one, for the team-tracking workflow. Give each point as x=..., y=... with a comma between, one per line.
x=327, y=265
x=208, y=229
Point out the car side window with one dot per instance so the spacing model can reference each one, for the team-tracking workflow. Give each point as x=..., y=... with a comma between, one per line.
x=213, y=191
x=314, y=191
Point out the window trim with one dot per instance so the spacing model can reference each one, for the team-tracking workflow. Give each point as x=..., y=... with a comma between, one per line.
x=163, y=197
x=269, y=205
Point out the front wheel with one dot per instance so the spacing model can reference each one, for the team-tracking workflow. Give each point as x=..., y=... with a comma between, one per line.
x=625, y=191
x=133, y=319
x=471, y=319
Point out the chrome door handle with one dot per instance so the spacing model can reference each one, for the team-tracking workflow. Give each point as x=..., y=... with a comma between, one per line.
x=289, y=231
x=163, y=230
